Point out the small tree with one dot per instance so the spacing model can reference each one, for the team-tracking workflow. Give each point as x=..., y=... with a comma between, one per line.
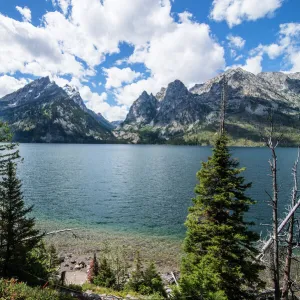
x=137, y=275
x=94, y=269
x=219, y=258
x=8, y=150
x=152, y=281
x=106, y=276
x=18, y=235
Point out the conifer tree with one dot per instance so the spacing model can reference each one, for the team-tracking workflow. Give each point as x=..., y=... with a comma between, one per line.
x=137, y=275
x=106, y=276
x=17, y=233
x=153, y=281
x=219, y=261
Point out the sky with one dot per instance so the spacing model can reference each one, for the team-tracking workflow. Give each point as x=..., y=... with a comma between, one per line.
x=113, y=50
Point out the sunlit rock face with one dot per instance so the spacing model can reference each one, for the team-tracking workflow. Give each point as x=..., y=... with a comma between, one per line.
x=176, y=111
x=42, y=111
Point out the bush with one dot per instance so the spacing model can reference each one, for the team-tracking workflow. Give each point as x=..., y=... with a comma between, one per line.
x=12, y=289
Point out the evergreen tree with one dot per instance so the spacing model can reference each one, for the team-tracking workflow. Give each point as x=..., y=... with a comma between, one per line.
x=137, y=275
x=17, y=234
x=106, y=276
x=153, y=281
x=8, y=150
x=219, y=260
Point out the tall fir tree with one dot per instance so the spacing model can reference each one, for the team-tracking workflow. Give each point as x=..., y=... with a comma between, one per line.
x=8, y=150
x=17, y=233
x=219, y=260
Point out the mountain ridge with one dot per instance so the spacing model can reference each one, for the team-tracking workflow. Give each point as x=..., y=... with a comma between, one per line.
x=191, y=116
x=42, y=111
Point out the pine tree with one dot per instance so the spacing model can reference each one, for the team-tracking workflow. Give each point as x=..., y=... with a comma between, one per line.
x=219, y=260
x=153, y=281
x=17, y=233
x=8, y=150
x=137, y=275
x=106, y=276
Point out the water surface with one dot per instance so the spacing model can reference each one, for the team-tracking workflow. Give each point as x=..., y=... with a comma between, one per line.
x=134, y=188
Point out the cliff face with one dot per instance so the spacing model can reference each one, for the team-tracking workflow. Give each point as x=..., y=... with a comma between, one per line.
x=187, y=115
x=41, y=111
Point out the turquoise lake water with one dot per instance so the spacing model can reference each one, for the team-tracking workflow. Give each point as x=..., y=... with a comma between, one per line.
x=135, y=188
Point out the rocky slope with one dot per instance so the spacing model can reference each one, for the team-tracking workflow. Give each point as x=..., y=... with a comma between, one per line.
x=179, y=115
x=41, y=111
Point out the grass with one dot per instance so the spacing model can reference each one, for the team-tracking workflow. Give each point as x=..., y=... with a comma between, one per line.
x=122, y=294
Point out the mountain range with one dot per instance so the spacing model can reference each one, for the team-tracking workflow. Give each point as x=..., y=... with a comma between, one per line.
x=42, y=111
x=191, y=116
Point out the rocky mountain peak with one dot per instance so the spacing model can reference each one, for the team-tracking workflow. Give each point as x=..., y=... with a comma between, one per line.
x=74, y=94
x=144, y=95
x=176, y=89
x=42, y=111
x=161, y=94
x=70, y=90
x=142, y=110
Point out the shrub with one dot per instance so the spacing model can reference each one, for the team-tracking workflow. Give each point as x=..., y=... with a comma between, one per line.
x=12, y=289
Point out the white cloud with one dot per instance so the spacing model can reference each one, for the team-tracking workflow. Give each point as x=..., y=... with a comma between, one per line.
x=234, y=12
x=62, y=4
x=33, y=50
x=288, y=45
x=9, y=84
x=97, y=103
x=115, y=77
x=115, y=113
x=236, y=42
x=76, y=39
x=25, y=12
x=73, y=40
x=128, y=94
x=253, y=64
x=108, y=22
x=168, y=59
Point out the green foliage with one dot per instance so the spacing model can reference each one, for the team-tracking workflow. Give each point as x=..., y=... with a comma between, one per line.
x=152, y=282
x=148, y=135
x=145, y=282
x=41, y=262
x=17, y=233
x=94, y=269
x=106, y=276
x=8, y=150
x=120, y=268
x=137, y=275
x=75, y=287
x=5, y=133
x=14, y=290
x=219, y=260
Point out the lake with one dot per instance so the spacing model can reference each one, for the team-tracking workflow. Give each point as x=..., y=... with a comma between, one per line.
x=135, y=188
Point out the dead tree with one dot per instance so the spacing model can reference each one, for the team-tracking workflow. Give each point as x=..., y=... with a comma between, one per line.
x=272, y=142
x=287, y=267
x=223, y=105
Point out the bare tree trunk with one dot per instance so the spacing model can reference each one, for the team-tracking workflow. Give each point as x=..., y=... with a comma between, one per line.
x=287, y=268
x=275, y=254
x=272, y=142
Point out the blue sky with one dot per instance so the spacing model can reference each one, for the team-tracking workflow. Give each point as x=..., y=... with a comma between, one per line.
x=112, y=50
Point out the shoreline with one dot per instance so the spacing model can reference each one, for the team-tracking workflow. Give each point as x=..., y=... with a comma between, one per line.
x=164, y=251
